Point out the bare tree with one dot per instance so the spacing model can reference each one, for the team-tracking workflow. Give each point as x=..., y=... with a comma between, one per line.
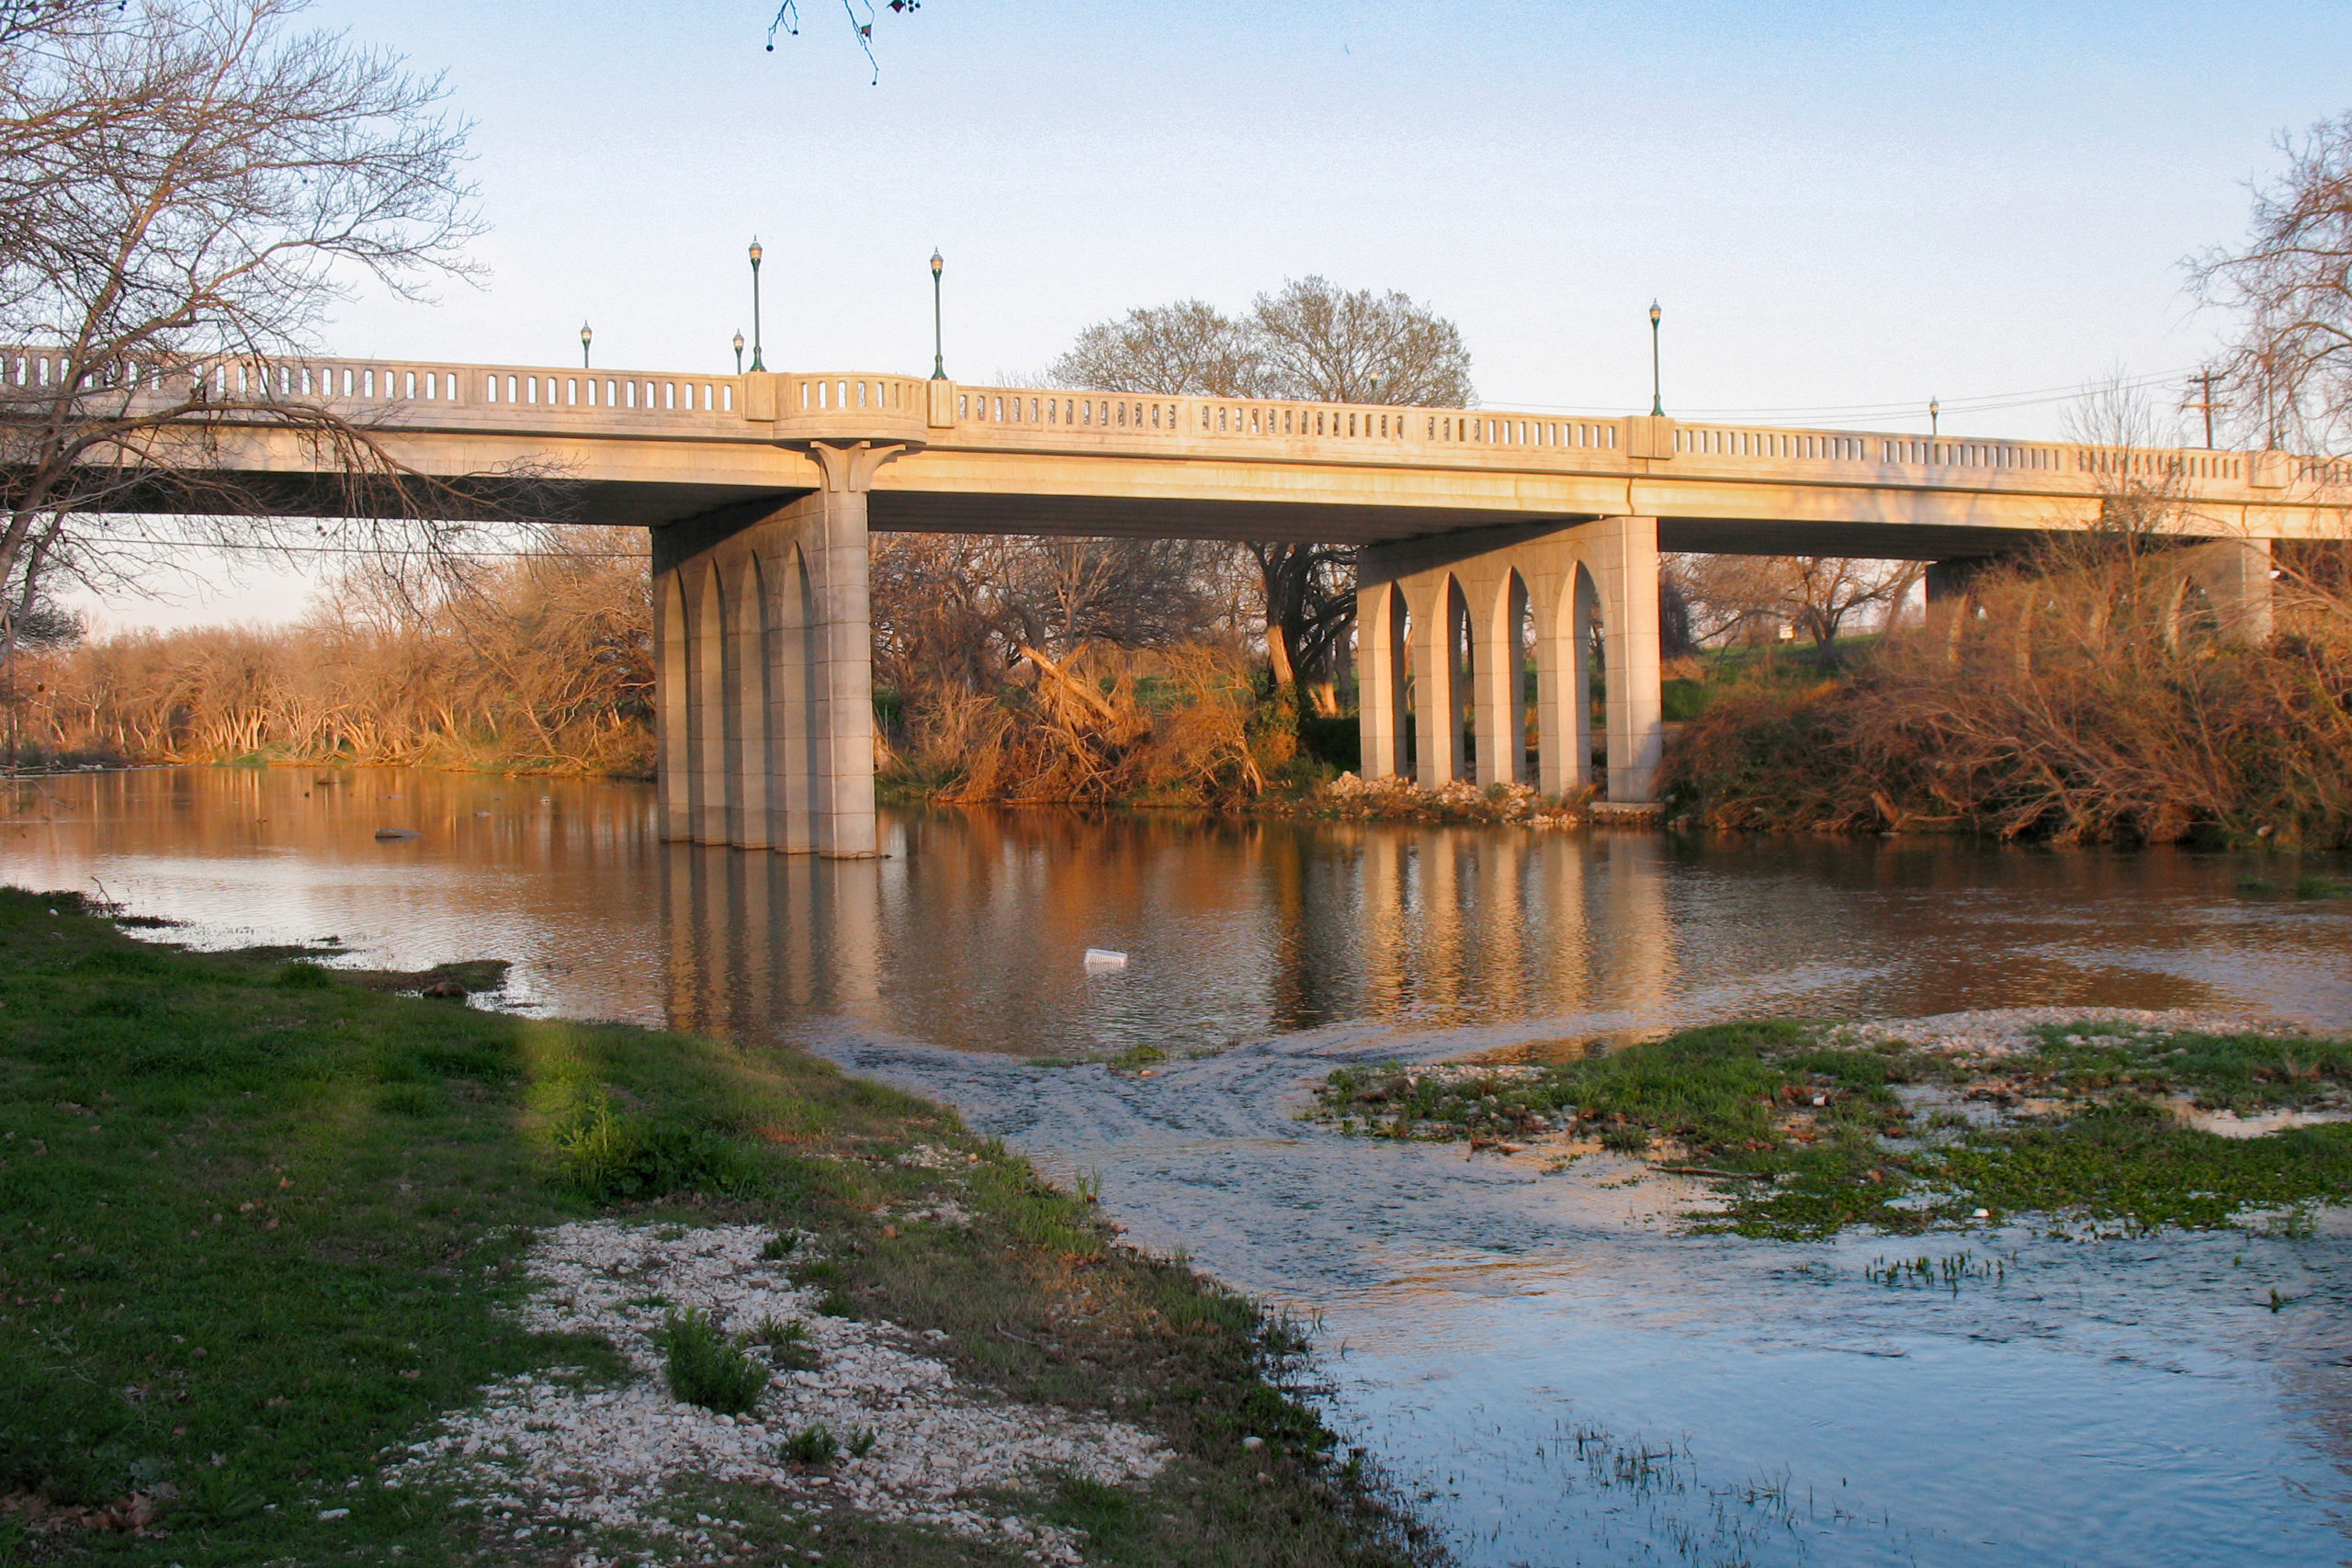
x=1750, y=598
x=2291, y=283
x=1187, y=349
x=963, y=610
x=1315, y=340
x=1312, y=341
x=187, y=188
x=861, y=16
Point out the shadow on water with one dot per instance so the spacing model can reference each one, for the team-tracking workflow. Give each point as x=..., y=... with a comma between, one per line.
x=1563, y=1377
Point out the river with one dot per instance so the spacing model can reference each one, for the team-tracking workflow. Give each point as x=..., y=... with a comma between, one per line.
x=1544, y=1361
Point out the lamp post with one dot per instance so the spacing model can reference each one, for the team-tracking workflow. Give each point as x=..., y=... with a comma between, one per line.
x=756, y=362
x=587, y=336
x=1935, y=411
x=1657, y=401
x=938, y=343
x=738, y=351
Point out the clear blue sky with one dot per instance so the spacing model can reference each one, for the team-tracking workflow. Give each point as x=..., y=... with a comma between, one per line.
x=1838, y=204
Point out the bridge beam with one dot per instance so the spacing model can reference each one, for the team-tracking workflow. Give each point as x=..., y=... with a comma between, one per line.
x=764, y=669
x=1600, y=576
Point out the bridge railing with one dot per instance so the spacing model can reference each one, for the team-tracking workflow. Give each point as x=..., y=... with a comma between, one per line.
x=423, y=390
x=1036, y=418
x=814, y=405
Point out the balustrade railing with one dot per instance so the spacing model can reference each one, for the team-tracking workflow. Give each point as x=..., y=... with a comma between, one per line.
x=814, y=405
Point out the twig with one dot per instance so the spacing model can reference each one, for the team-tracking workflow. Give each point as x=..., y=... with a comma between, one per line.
x=1720, y=1175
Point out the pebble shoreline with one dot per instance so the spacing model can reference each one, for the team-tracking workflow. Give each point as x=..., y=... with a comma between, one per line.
x=546, y=1456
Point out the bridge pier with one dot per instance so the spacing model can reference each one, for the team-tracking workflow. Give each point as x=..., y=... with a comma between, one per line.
x=764, y=669
x=2235, y=576
x=1445, y=618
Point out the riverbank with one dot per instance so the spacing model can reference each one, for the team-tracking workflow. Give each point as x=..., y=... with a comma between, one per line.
x=2106, y=1123
x=292, y=1269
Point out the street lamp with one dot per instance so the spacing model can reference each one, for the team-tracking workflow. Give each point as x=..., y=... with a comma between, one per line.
x=1657, y=402
x=938, y=343
x=756, y=362
x=586, y=337
x=738, y=351
x=1934, y=410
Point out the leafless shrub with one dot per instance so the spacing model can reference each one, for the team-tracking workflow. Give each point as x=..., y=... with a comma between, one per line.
x=542, y=662
x=1176, y=726
x=2090, y=696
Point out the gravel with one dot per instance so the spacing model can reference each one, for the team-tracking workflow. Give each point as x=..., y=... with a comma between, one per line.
x=551, y=1454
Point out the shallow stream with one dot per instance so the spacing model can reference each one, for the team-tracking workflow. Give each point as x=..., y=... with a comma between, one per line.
x=1559, y=1376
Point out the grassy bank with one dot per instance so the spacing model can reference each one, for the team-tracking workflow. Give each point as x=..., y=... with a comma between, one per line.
x=260, y=1227
x=1805, y=1130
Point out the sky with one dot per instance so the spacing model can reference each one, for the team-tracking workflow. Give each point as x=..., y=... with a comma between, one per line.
x=1843, y=210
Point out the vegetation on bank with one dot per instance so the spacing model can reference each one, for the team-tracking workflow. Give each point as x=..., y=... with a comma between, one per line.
x=259, y=1227
x=2091, y=694
x=538, y=663
x=1805, y=1130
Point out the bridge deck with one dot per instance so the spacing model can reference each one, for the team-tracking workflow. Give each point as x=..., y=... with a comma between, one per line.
x=652, y=448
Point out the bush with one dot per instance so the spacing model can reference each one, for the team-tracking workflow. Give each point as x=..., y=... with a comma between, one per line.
x=607, y=1157
x=813, y=1446
x=708, y=1369
x=788, y=1344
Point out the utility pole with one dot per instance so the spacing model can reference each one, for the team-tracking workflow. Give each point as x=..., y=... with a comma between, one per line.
x=2205, y=405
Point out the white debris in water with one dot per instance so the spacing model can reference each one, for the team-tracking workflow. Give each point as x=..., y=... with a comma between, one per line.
x=542, y=1450
x=2007, y=1032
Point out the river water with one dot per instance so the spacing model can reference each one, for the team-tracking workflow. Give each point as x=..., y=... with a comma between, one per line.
x=1543, y=1361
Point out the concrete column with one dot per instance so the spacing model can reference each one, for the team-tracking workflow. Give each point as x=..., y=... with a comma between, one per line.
x=1495, y=678
x=1625, y=549
x=1379, y=678
x=744, y=614
x=792, y=767
x=832, y=527
x=1555, y=726
x=1437, y=706
x=2235, y=577
x=670, y=725
x=707, y=700
x=1949, y=580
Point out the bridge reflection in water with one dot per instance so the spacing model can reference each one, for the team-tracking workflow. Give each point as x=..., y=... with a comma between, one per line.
x=971, y=931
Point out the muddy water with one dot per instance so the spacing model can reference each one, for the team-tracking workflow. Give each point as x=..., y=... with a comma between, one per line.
x=1560, y=1376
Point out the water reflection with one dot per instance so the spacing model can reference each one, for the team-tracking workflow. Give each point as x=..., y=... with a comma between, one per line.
x=2119, y=1404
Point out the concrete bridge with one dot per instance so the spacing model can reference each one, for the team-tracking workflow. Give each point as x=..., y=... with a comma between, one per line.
x=1487, y=532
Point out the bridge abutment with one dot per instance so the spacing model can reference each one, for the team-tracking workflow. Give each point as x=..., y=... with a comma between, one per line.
x=763, y=670
x=1444, y=629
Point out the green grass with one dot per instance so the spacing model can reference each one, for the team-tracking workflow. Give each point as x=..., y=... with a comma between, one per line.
x=259, y=1227
x=2234, y=1072
x=1712, y=1089
x=1741, y=1098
